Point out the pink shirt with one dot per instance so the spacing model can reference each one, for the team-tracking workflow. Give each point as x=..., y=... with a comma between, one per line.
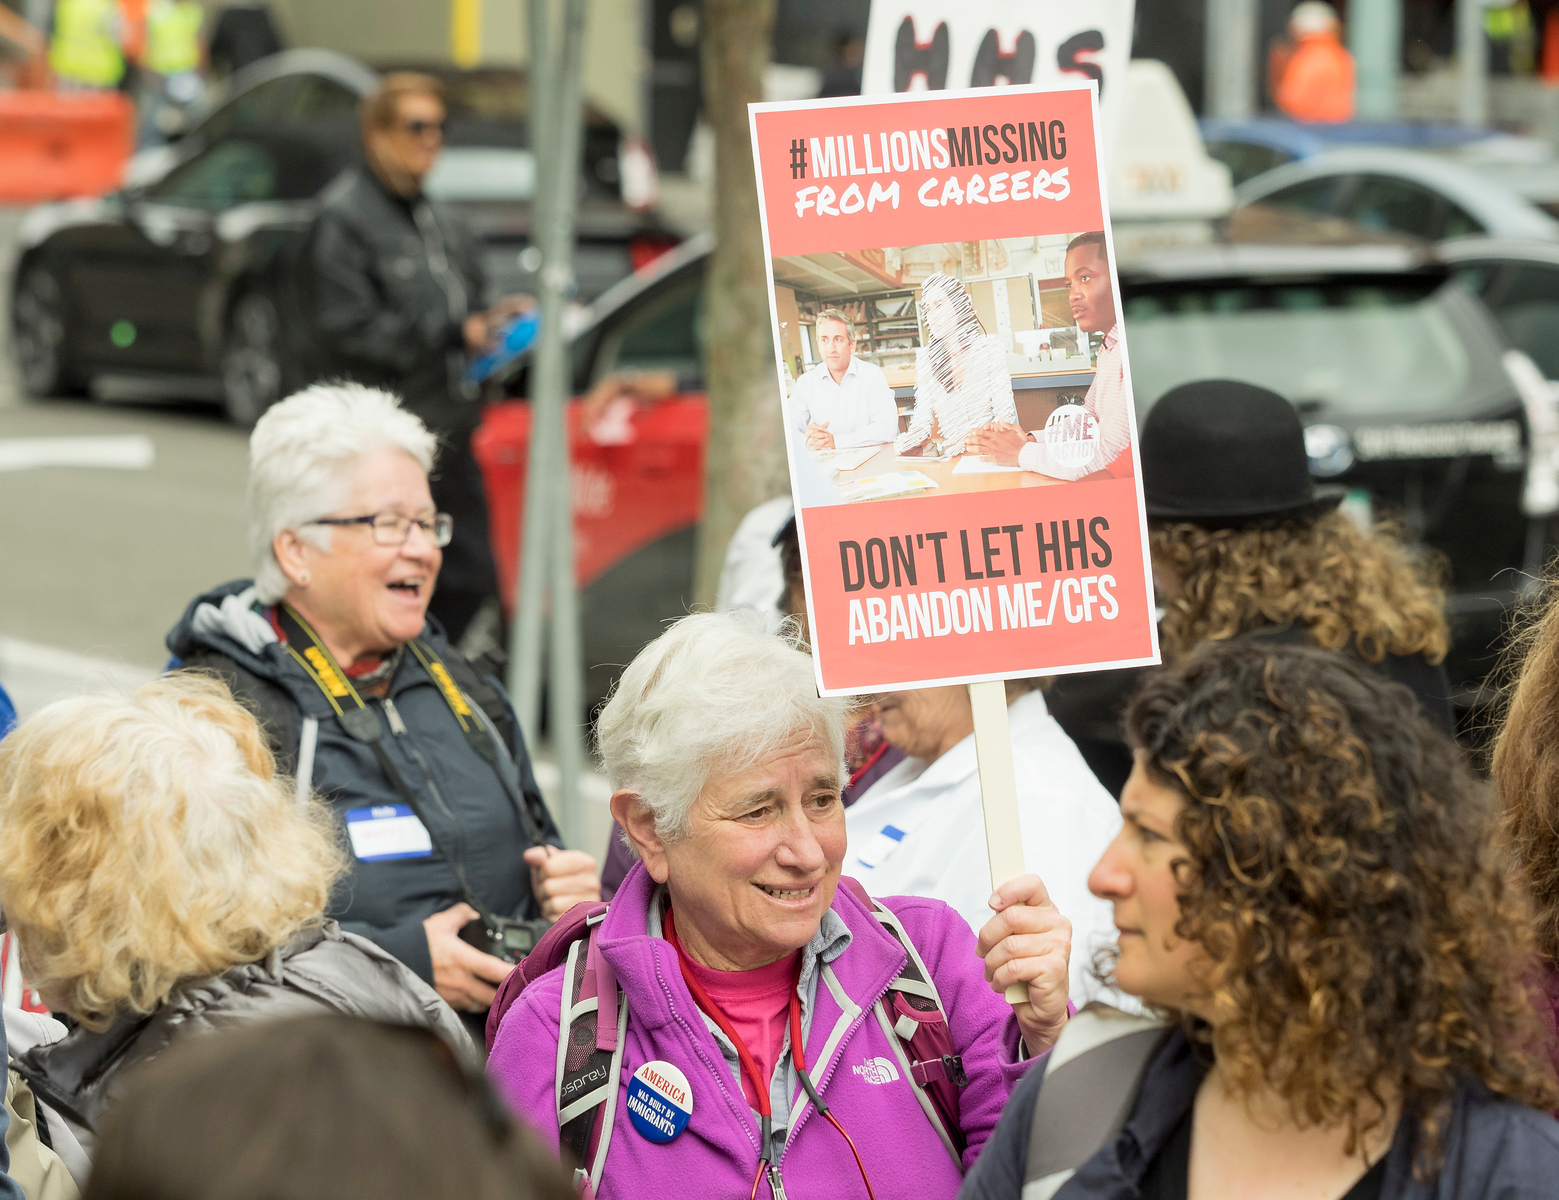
x=757, y=1004
x=1106, y=399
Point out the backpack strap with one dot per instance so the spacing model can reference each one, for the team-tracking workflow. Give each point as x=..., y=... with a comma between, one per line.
x=478, y=685
x=1090, y=1087
x=590, y=1058
x=914, y=1019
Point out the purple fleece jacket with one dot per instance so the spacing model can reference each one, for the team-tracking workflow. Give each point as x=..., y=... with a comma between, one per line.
x=717, y=1154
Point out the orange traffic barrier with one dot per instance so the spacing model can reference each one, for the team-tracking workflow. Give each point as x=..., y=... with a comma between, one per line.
x=58, y=144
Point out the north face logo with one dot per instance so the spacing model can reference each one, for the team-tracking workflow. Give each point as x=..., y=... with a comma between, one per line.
x=877, y=1070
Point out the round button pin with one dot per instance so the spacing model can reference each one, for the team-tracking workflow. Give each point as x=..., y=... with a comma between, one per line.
x=659, y=1101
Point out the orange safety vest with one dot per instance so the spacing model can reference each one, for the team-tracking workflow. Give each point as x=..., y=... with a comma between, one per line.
x=1318, y=83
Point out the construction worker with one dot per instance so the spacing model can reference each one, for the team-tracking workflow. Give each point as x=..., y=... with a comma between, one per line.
x=170, y=63
x=1317, y=83
x=84, y=48
x=173, y=37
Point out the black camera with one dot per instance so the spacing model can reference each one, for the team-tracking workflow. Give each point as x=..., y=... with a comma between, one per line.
x=504, y=937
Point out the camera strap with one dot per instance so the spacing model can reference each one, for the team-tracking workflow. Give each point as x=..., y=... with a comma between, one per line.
x=362, y=724
x=481, y=738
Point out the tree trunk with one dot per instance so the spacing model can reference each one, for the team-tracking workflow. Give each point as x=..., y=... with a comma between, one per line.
x=745, y=460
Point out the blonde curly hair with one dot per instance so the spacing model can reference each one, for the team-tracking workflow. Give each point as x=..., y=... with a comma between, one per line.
x=1329, y=576
x=148, y=840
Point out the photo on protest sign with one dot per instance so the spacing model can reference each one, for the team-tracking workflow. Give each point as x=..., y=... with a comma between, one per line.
x=957, y=408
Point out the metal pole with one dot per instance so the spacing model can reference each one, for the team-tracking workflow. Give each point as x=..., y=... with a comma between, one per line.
x=1230, y=43
x=528, y=626
x=1472, y=56
x=567, y=673
x=1375, y=38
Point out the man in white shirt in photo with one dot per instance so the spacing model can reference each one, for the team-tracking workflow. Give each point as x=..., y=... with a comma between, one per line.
x=1092, y=297
x=844, y=401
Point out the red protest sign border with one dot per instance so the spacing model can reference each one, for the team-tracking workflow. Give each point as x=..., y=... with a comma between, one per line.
x=846, y=663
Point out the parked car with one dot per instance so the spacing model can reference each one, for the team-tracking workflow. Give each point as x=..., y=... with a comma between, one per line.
x=1399, y=191
x=295, y=87
x=1519, y=282
x=1525, y=165
x=1411, y=395
x=187, y=283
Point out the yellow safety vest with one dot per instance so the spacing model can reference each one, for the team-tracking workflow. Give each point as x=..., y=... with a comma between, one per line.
x=85, y=49
x=173, y=36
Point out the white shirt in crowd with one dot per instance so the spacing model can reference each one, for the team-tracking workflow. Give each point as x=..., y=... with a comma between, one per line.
x=1106, y=400
x=920, y=831
x=859, y=410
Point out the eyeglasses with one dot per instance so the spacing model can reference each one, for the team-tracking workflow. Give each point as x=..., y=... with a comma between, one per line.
x=392, y=529
x=420, y=128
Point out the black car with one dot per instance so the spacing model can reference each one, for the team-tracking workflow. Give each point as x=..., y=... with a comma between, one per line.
x=187, y=284
x=1410, y=394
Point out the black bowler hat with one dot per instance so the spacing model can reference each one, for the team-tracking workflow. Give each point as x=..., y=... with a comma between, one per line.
x=1223, y=453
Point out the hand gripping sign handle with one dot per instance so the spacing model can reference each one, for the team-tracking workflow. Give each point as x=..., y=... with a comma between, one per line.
x=998, y=793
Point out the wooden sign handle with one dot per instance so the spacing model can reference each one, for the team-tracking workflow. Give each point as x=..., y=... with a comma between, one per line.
x=998, y=793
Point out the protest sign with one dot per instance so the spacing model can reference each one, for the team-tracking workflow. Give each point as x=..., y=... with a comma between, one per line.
x=964, y=469
x=938, y=44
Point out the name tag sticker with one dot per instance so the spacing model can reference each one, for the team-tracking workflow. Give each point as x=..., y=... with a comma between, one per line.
x=659, y=1101
x=387, y=831
x=877, y=851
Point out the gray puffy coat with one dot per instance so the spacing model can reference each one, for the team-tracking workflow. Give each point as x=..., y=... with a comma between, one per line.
x=319, y=970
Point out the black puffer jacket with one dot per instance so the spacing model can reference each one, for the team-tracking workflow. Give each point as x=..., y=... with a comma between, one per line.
x=318, y=970
x=389, y=283
x=467, y=810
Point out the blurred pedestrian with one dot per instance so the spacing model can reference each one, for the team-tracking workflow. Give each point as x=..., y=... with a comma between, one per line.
x=1246, y=546
x=759, y=1000
x=242, y=35
x=7, y=713
x=1317, y=79
x=919, y=829
x=164, y=881
x=169, y=76
x=398, y=294
x=85, y=45
x=318, y=1108
x=1308, y=891
x=365, y=701
x=1526, y=771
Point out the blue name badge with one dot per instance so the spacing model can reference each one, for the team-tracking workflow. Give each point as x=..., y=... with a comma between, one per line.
x=387, y=831
x=881, y=847
x=659, y=1101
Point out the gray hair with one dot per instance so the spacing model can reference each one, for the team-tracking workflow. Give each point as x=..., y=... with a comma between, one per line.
x=298, y=455
x=712, y=697
x=835, y=314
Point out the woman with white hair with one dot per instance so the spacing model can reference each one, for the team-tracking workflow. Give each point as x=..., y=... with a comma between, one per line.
x=164, y=882
x=454, y=857
x=771, y=1027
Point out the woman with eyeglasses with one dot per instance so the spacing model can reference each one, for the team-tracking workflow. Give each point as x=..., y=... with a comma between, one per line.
x=394, y=289
x=366, y=703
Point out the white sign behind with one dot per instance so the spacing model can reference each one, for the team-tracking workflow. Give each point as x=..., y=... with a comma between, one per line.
x=937, y=44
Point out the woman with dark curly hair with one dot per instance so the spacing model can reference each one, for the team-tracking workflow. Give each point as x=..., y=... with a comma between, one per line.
x=1308, y=892
x=1245, y=545
x=1526, y=771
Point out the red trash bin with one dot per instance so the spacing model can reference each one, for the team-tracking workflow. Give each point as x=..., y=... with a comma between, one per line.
x=625, y=496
